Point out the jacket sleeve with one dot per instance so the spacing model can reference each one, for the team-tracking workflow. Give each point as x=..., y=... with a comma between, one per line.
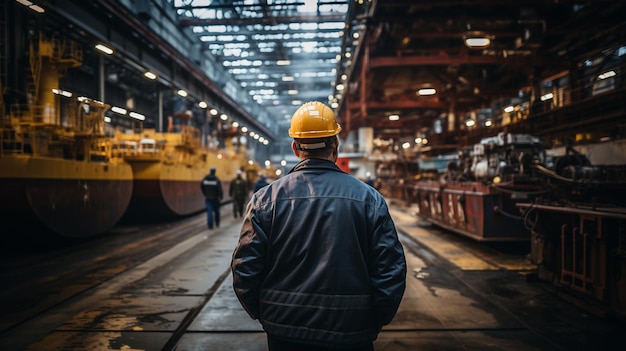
x=248, y=263
x=388, y=268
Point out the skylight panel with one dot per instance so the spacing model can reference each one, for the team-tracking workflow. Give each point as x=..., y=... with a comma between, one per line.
x=225, y=38
x=331, y=35
x=332, y=25
x=309, y=26
x=237, y=45
x=216, y=28
x=203, y=13
x=333, y=8
x=309, y=46
x=232, y=52
x=309, y=6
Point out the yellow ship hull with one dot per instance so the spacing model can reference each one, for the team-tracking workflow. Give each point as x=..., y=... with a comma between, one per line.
x=71, y=198
x=163, y=189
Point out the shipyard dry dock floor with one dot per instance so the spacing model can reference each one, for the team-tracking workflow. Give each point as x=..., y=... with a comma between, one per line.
x=460, y=296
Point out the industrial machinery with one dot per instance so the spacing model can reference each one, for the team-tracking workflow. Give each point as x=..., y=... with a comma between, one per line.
x=579, y=232
x=572, y=212
x=476, y=194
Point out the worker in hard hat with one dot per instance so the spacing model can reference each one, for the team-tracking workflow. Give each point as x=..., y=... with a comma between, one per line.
x=211, y=187
x=318, y=262
x=238, y=191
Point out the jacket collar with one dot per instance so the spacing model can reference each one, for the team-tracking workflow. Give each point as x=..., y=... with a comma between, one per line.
x=315, y=163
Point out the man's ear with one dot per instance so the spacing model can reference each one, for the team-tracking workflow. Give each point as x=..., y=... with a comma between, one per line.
x=335, y=152
x=294, y=149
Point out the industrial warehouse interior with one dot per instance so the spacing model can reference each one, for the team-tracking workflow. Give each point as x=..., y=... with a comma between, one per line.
x=494, y=130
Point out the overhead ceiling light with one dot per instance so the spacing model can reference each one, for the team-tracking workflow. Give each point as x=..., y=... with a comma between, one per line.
x=103, y=48
x=477, y=43
x=62, y=92
x=31, y=6
x=394, y=117
x=509, y=109
x=181, y=92
x=119, y=110
x=288, y=79
x=427, y=91
x=477, y=40
x=283, y=62
x=547, y=96
x=213, y=112
x=138, y=116
x=292, y=92
x=36, y=8
x=606, y=75
x=150, y=75
x=202, y=104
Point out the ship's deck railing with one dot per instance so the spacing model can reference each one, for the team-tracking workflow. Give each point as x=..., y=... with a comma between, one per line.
x=10, y=142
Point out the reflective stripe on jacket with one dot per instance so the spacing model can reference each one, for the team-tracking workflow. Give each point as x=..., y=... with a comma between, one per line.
x=318, y=259
x=212, y=187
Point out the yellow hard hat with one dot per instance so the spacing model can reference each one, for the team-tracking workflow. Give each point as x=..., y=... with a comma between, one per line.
x=313, y=120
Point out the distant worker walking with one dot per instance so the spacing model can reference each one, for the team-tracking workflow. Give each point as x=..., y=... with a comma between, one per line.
x=238, y=192
x=261, y=182
x=319, y=262
x=212, y=189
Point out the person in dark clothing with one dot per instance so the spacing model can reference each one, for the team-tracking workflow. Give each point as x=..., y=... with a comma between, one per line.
x=238, y=192
x=212, y=189
x=318, y=261
x=261, y=182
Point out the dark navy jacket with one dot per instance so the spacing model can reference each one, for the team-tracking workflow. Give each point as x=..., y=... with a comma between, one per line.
x=212, y=187
x=318, y=258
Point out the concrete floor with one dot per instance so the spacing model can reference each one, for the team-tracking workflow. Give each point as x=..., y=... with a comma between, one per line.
x=457, y=298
